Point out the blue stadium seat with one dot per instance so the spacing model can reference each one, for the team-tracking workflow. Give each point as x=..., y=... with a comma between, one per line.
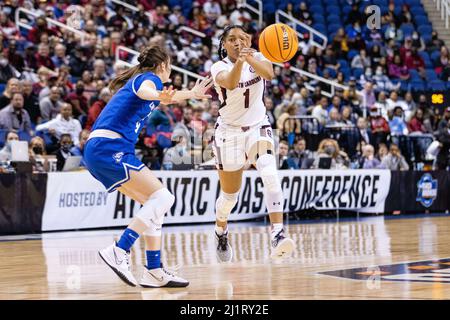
x=417, y=86
x=333, y=19
x=333, y=9
x=45, y=136
x=317, y=9
x=351, y=54
x=436, y=85
x=416, y=11
x=426, y=58
x=448, y=85
x=3, y=133
x=346, y=10
x=2, y=88
x=414, y=75
x=435, y=56
x=421, y=20
x=317, y=17
x=357, y=72
x=320, y=27
x=24, y=135
x=407, y=29
x=344, y=64
x=173, y=3
x=424, y=29
x=332, y=3
x=346, y=72
x=332, y=28
x=413, y=3
x=380, y=2
x=431, y=74
x=404, y=85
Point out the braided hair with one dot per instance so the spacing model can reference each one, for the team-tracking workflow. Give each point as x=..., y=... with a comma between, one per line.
x=149, y=60
x=224, y=35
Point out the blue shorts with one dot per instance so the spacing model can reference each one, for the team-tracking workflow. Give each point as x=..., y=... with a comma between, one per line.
x=110, y=161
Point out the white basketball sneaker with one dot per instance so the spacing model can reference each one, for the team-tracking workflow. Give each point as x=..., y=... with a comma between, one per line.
x=224, y=252
x=161, y=277
x=119, y=261
x=282, y=247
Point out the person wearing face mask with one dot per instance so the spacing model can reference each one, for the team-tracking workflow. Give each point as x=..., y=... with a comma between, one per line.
x=5, y=152
x=329, y=148
x=65, y=144
x=64, y=123
x=382, y=82
x=434, y=43
x=78, y=100
x=38, y=155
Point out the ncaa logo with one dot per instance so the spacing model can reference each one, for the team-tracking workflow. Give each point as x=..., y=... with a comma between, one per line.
x=118, y=156
x=427, y=190
x=251, y=69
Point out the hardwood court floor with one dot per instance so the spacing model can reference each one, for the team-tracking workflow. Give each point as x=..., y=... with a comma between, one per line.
x=66, y=265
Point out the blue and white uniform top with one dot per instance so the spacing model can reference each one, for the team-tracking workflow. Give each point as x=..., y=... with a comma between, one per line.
x=126, y=113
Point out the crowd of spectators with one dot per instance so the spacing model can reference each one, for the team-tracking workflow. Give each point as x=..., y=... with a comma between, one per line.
x=56, y=84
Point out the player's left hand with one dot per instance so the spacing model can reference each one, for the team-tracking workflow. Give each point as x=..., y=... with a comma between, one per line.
x=201, y=87
x=248, y=52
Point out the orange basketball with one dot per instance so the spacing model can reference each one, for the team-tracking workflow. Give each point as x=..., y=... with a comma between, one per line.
x=278, y=42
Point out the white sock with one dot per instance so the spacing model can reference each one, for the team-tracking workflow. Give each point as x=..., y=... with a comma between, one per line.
x=276, y=227
x=220, y=231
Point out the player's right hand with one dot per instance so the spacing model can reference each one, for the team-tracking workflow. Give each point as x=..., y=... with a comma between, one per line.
x=166, y=95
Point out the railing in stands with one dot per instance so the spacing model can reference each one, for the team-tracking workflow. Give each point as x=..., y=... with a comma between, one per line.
x=186, y=73
x=136, y=9
x=61, y=25
x=258, y=11
x=193, y=31
x=444, y=7
x=283, y=17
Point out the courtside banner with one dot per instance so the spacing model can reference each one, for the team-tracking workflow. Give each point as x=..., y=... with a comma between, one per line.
x=75, y=200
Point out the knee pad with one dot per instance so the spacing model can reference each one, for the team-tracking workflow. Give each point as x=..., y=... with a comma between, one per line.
x=224, y=204
x=153, y=211
x=267, y=168
x=273, y=193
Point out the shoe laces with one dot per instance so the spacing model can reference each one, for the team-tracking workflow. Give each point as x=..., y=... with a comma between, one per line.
x=222, y=242
x=278, y=237
x=171, y=271
x=127, y=260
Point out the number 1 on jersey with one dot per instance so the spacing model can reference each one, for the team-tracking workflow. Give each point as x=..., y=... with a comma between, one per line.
x=247, y=98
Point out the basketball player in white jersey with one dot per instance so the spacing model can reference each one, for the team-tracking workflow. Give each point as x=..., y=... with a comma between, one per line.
x=243, y=133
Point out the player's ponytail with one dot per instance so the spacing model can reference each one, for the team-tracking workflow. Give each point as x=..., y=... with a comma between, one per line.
x=149, y=60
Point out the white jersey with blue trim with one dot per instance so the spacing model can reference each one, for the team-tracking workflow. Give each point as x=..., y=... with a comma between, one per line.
x=125, y=113
x=244, y=105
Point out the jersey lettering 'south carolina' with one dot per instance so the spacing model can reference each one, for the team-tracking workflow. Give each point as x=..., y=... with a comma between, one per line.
x=244, y=105
x=126, y=113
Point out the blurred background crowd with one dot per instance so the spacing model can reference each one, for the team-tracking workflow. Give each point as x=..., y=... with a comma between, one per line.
x=54, y=82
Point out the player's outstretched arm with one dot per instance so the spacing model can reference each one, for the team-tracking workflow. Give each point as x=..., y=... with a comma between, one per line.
x=147, y=91
x=197, y=92
x=262, y=68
